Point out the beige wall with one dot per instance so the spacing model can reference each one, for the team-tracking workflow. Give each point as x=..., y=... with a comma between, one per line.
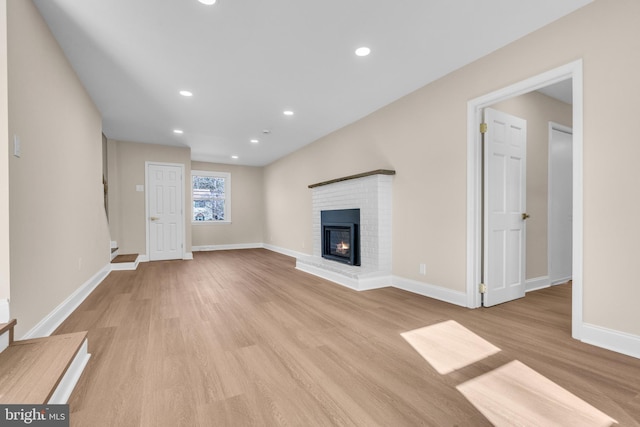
x=247, y=208
x=423, y=137
x=127, y=220
x=59, y=237
x=4, y=161
x=287, y=197
x=538, y=110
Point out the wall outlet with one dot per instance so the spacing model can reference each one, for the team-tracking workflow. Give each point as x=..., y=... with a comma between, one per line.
x=423, y=269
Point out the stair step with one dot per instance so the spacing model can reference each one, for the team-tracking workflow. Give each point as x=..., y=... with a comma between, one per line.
x=125, y=262
x=125, y=258
x=31, y=370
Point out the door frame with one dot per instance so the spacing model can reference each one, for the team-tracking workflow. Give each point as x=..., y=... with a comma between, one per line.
x=146, y=204
x=572, y=70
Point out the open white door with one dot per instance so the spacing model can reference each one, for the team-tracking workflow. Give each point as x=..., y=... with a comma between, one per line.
x=166, y=222
x=505, y=172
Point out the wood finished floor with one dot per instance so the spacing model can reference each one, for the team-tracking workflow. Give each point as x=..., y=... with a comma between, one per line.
x=238, y=338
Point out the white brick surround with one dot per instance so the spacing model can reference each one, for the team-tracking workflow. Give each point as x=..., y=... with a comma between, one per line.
x=373, y=196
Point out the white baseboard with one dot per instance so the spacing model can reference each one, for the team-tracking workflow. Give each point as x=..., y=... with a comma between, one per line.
x=610, y=339
x=143, y=258
x=560, y=281
x=431, y=291
x=187, y=256
x=284, y=251
x=5, y=314
x=536, y=283
x=235, y=246
x=70, y=379
x=226, y=247
x=50, y=322
x=114, y=244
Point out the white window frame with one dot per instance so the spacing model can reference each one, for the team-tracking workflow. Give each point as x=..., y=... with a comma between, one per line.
x=227, y=196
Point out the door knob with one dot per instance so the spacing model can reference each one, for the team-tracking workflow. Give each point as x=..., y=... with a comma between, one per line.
x=154, y=218
x=525, y=216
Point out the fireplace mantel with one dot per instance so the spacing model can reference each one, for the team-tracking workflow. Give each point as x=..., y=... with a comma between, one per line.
x=359, y=175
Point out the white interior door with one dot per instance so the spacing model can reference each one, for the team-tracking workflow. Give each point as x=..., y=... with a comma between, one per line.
x=505, y=171
x=560, y=204
x=166, y=222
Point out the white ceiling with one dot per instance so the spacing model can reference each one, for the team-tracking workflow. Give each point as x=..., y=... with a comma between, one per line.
x=246, y=61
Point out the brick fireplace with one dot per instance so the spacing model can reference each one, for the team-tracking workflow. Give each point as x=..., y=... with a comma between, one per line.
x=371, y=194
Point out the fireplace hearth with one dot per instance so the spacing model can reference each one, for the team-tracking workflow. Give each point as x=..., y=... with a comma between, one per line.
x=340, y=235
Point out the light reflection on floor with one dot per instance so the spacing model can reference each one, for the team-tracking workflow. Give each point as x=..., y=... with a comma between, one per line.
x=449, y=346
x=510, y=395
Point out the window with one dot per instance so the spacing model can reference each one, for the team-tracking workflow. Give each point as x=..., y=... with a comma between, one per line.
x=211, y=196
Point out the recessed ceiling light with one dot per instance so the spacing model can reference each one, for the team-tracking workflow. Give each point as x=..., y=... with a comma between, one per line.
x=363, y=51
x=178, y=131
x=254, y=141
x=288, y=113
x=234, y=157
x=207, y=2
x=186, y=93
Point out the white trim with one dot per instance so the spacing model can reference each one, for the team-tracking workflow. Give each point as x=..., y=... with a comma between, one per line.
x=578, y=208
x=572, y=71
x=146, y=204
x=284, y=251
x=610, y=339
x=114, y=244
x=188, y=256
x=4, y=341
x=5, y=314
x=365, y=282
x=71, y=376
x=431, y=291
x=143, y=258
x=536, y=283
x=229, y=247
x=560, y=281
x=51, y=321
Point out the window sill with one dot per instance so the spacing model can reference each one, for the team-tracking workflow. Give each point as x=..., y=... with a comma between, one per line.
x=210, y=222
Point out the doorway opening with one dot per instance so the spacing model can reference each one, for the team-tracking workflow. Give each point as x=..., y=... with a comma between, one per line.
x=475, y=109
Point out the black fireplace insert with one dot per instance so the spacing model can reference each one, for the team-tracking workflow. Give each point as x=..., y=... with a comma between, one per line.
x=340, y=237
